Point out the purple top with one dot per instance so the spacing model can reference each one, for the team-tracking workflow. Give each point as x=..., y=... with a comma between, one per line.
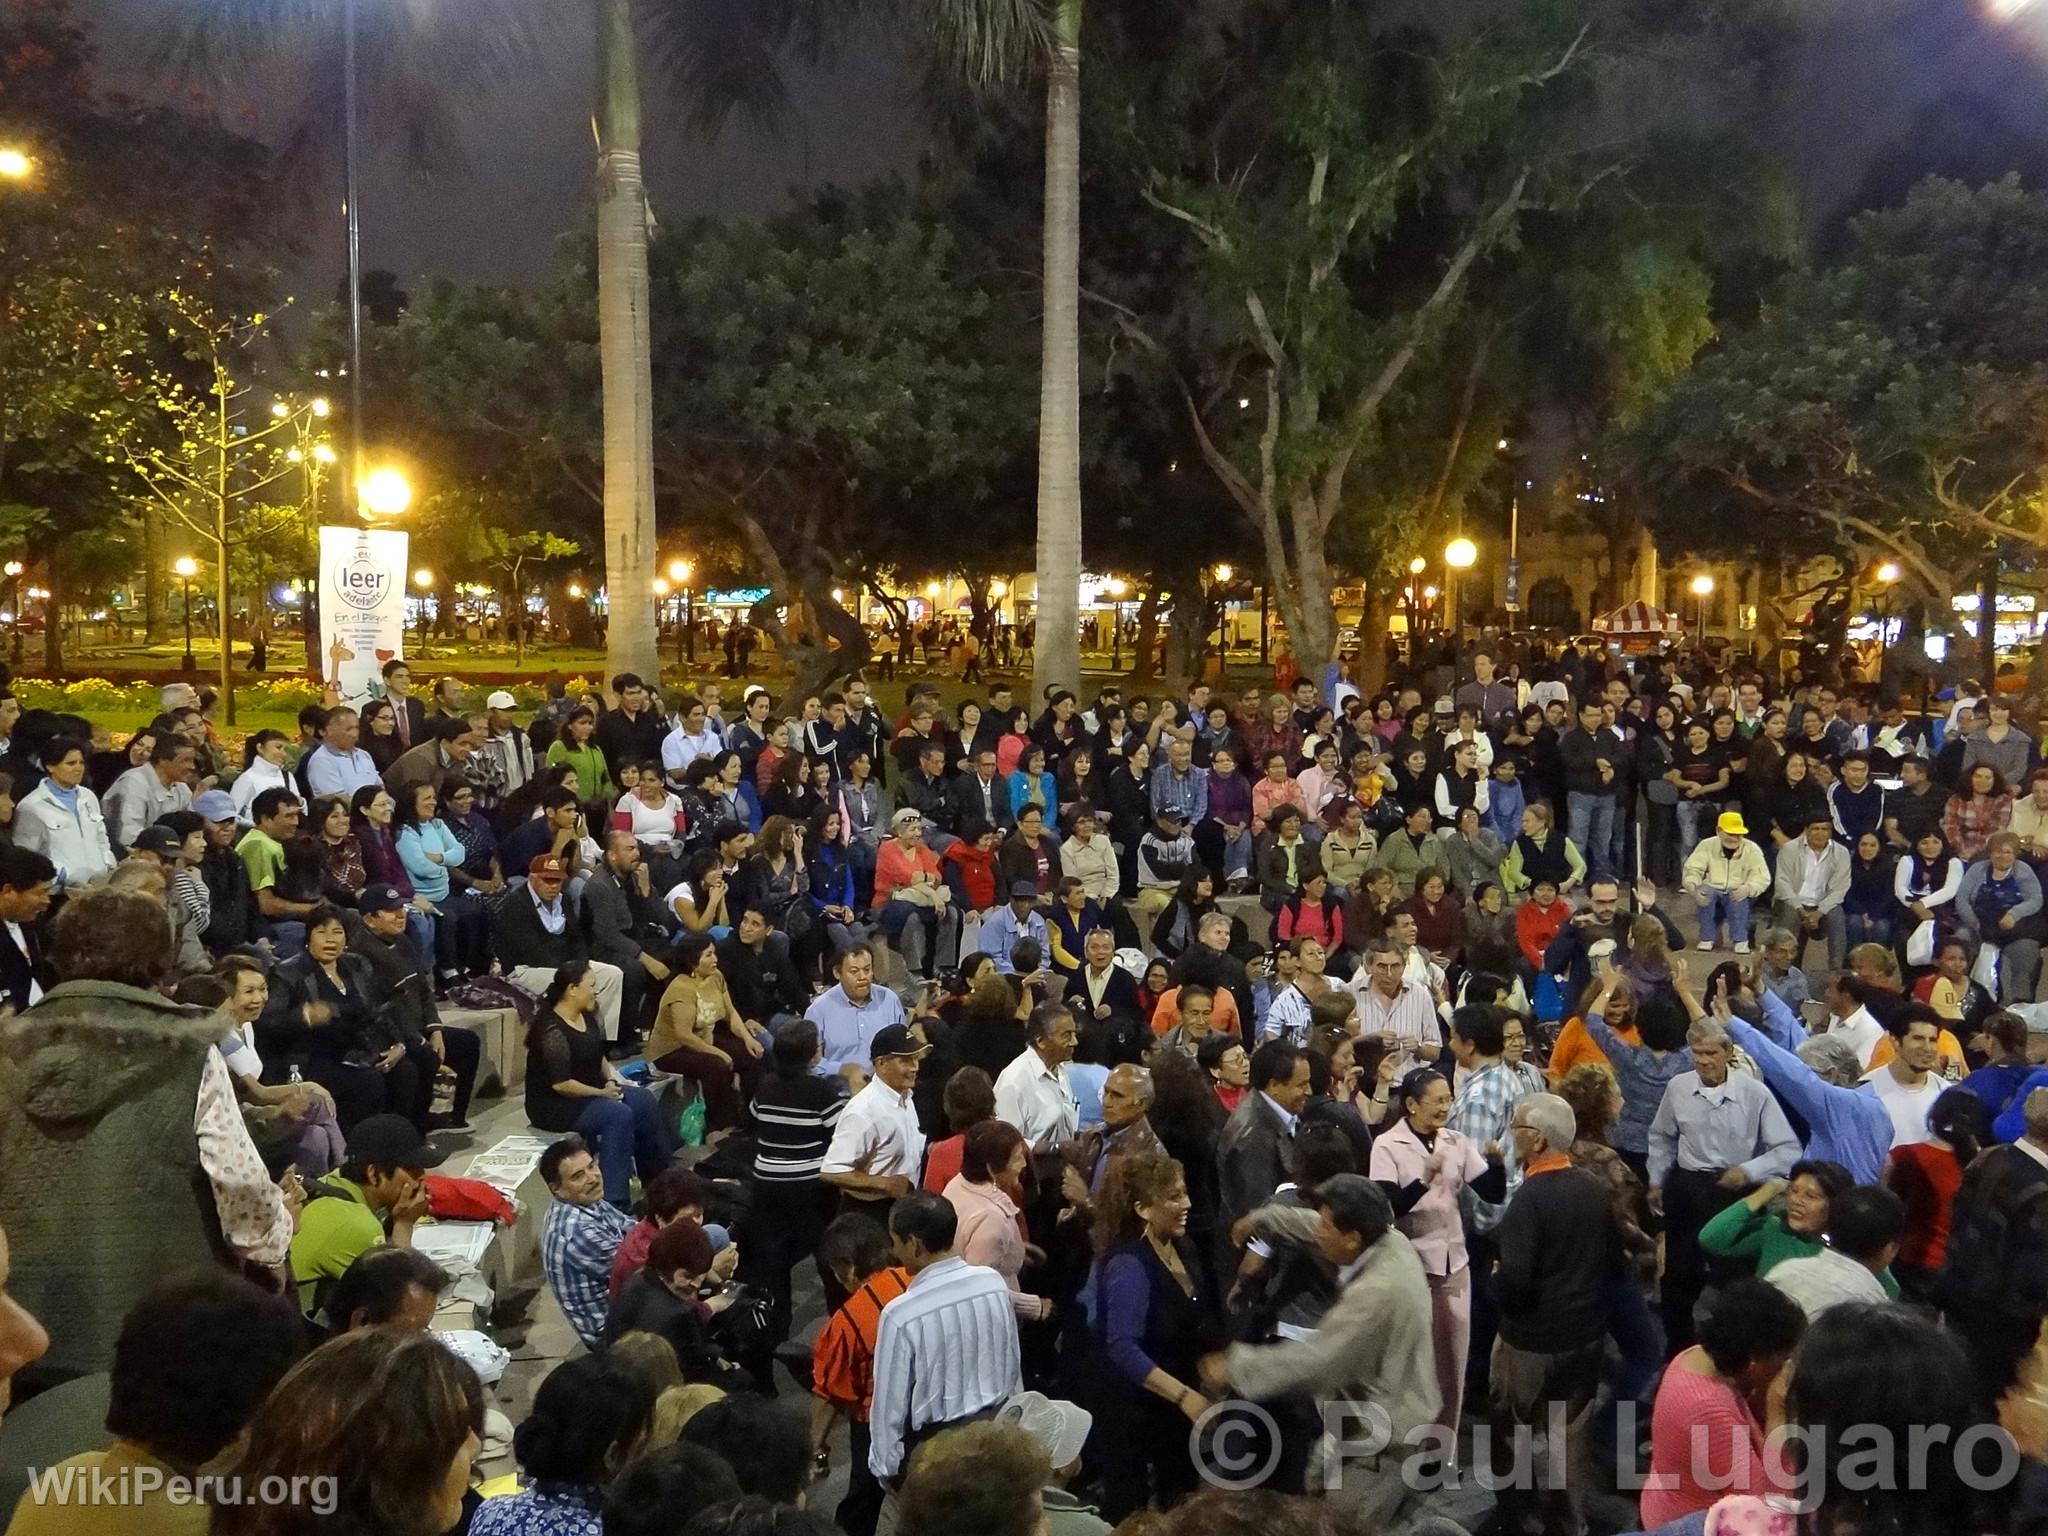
x=1127, y=1306
x=1230, y=800
x=380, y=858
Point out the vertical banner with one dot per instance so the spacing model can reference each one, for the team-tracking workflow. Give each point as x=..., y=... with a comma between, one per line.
x=362, y=605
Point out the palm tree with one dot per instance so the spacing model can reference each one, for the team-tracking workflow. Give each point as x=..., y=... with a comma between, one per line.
x=721, y=55
x=989, y=40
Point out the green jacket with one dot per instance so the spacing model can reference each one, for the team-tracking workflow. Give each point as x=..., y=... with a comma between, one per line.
x=101, y=1189
x=1400, y=856
x=1762, y=1238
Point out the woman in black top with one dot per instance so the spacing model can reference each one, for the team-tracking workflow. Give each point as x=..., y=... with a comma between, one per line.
x=1656, y=752
x=1734, y=750
x=1174, y=932
x=1795, y=805
x=1130, y=811
x=571, y=1087
x=1702, y=771
x=325, y=1016
x=661, y=1298
x=1154, y=1314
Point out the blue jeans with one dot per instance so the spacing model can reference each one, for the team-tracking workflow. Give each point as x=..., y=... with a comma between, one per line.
x=624, y=1133
x=287, y=938
x=1590, y=824
x=419, y=926
x=1690, y=814
x=1733, y=910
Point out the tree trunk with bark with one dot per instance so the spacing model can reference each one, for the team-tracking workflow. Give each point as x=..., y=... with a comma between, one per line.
x=1057, y=655
x=155, y=562
x=632, y=643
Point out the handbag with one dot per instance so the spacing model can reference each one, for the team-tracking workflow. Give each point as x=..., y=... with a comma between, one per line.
x=1920, y=944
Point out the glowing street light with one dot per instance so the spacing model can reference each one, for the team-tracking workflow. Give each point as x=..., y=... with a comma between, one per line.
x=15, y=164
x=575, y=589
x=1889, y=572
x=1461, y=554
x=661, y=587
x=1703, y=588
x=679, y=571
x=999, y=590
x=423, y=579
x=385, y=492
x=323, y=453
x=1887, y=576
x=1225, y=572
x=931, y=590
x=186, y=568
x=1417, y=566
x=321, y=407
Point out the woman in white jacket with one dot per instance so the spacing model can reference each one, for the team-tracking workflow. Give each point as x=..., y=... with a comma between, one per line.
x=60, y=819
x=263, y=768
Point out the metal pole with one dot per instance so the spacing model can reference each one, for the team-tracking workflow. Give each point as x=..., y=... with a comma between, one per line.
x=1265, y=631
x=355, y=250
x=190, y=665
x=689, y=626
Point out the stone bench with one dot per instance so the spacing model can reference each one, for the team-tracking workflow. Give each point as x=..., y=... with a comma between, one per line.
x=502, y=1068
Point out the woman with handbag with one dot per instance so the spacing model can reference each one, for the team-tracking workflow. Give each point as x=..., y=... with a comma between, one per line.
x=913, y=904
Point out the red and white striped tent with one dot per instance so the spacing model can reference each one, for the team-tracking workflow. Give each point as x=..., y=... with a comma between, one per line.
x=1639, y=618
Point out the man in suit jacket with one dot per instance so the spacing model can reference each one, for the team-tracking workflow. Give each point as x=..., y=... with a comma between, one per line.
x=1373, y=1348
x=1103, y=989
x=616, y=908
x=1255, y=1154
x=411, y=713
x=982, y=794
x=25, y=879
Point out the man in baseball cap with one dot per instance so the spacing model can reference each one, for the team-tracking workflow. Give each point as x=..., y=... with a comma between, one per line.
x=1003, y=928
x=382, y=1181
x=157, y=843
x=500, y=701
x=538, y=931
x=1062, y=1428
x=403, y=972
x=877, y=1147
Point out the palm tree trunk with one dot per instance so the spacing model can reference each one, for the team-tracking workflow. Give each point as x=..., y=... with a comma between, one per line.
x=625, y=349
x=1058, y=650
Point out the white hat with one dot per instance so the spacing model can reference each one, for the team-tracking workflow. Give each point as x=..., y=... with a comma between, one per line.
x=1061, y=1427
x=500, y=700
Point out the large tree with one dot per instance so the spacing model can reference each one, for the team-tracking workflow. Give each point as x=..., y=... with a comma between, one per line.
x=1350, y=178
x=1890, y=403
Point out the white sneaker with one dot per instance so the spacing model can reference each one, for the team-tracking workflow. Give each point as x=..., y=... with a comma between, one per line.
x=1742, y=948
x=1706, y=946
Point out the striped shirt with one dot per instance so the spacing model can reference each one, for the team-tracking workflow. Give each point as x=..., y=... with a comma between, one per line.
x=843, y=1359
x=946, y=1350
x=793, y=1121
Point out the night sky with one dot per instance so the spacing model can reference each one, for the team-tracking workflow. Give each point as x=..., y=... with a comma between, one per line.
x=1877, y=73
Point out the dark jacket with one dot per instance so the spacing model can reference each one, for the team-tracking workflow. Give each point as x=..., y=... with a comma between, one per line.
x=519, y=938
x=1559, y=1249
x=402, y=978
x=283, y=1036
x=1997, y=1261
x=18, y=970
x=645, y=1305
x=1254, y=1157
x=930, y=798
x=1582, y=752
x=631, y=739
x=967, y=798
x=1119, y=995
x=1567, y=953
x=613, y=918
x=763, y=982
x=1016, y=862
x=234, y=920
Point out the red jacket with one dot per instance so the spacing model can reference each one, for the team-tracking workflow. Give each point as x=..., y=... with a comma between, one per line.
x=1536, y=926
x=974, y=872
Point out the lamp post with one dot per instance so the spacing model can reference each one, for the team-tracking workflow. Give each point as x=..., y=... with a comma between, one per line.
x=1115, y=588
x=187, y=568
x=686, y=649
x=1460, y=555
x=1703, y=588
x=1415, y=569
x=1888, y=576
x=423, y=581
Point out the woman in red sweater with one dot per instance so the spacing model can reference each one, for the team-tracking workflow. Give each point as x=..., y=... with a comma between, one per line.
x=1439, y=917
x=1708, y=1426
x=1539, y=920
x=1925, y=1177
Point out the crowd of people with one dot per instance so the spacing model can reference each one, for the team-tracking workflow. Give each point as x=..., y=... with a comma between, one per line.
x=1141, y=1079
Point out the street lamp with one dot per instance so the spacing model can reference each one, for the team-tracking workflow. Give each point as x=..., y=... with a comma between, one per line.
x=1460, y=555
x=423, y=579
x=384, y=492
x=187, y=568
x=679, y=572
x=1703, y=588
x=1888, y=575
x=1115, y=588
x=15, y=165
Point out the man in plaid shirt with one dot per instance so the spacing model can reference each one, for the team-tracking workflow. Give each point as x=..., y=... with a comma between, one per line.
x=1486, y=1102
x=580, y=1237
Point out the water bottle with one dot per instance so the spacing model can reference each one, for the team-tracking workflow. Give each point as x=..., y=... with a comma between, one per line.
x=295, y=1079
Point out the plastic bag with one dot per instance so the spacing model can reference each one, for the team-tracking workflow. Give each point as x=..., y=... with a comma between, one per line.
x=1920, y=944
x=690, y=1125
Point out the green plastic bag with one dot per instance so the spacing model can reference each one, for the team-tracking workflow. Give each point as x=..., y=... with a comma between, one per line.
x=690, y=1127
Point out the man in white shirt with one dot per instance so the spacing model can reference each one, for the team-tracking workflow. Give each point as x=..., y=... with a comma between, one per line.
x=946, y=1350
x=1418, y=964
x=1907, y=1085
x=1864, y=1227
x=1033, y=1093
x=1848, y=1018
x=877, y=1147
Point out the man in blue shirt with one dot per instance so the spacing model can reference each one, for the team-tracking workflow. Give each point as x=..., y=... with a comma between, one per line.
x=580, y=1237
x=850, y=1015
x=1817, y=1078
x=1003, y=927
x=336, y=766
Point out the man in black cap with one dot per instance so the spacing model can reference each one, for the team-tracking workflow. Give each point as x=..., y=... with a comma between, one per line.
x=380, y=937
x=373, y=1197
